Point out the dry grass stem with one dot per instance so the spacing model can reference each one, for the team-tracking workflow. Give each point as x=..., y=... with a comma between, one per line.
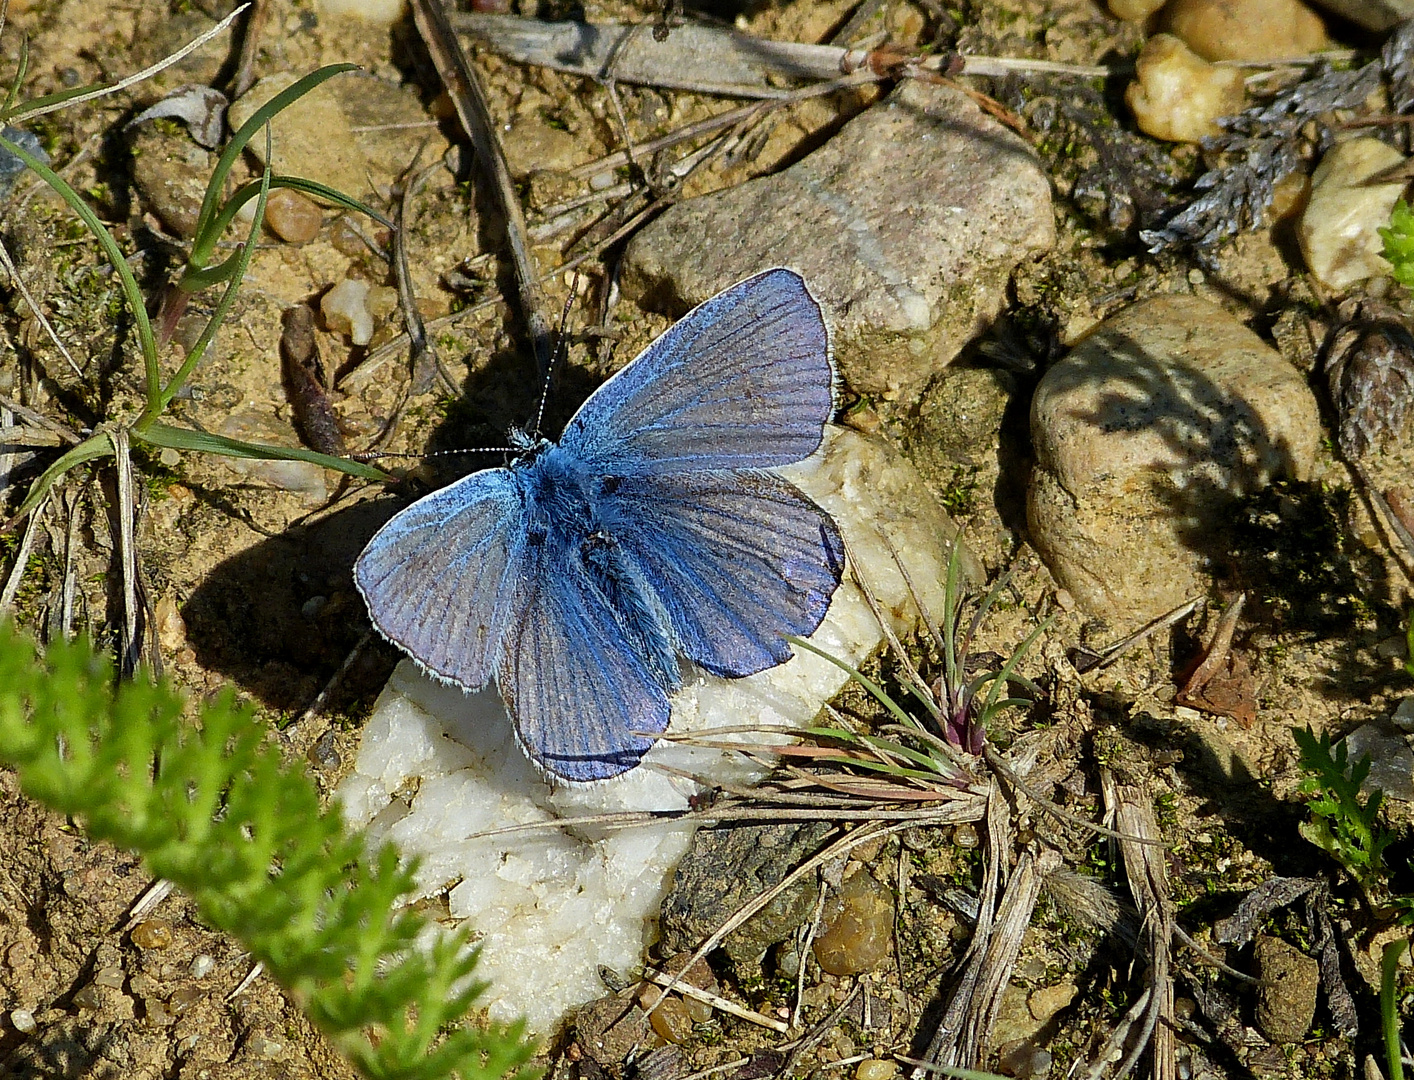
x=132, y=80
x=474, y=110
x=661, y=978
x=1144, y=867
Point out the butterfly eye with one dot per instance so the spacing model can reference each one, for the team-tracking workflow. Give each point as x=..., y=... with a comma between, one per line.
x=610, y=484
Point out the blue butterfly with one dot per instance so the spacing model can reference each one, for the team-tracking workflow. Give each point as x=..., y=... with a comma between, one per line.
x=580, y=575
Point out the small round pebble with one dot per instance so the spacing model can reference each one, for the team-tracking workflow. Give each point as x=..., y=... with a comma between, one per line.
x=672, y=1021
x=153, y=934
x=182, y=999
x=202, y=966
x=965, y=836
x=264, y=1047
x=1134, y=10
x=110, y=976
x=1177, y=95
x=23, y=1021
x=1025, y=1059
x=697, y=1009
x=875, y=1069
x=345, y=237
x=292, y=217
x=858, y=926
x=88, y=997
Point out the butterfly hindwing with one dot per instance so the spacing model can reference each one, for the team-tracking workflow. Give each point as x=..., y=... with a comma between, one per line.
x=737, y=560
x=571, y=680
x=744, y=380
x=440, y=578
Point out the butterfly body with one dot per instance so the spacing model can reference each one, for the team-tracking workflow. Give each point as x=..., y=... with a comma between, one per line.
x=581, y=575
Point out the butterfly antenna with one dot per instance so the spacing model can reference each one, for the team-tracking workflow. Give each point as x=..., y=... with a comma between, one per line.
x=561, y=349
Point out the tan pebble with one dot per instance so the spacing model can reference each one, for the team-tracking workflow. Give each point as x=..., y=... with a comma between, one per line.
x=183, y=999
x=171, y=627
x=699, y=1011
x=672, y=1021
x=1289, y=195
x=111, y=977
x=1286, y=999
x=875, y=1069
x=858, y=926
x=292, y=217
x=152, y=934
x=1246, y=29
x=382, y=301
x=965, y=836
x=1049, y=1000
x=867, y=852
x=1178, y=95
x=1134, y=10
x=346, y=238
x=1339, y=230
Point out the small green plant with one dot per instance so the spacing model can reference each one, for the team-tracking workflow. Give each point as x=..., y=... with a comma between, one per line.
x=1347, y=828
x=213, y=808
x=1399, y=244
x=1409, y=645
x=216, y=214
x=1343, y=824
x=960, y=707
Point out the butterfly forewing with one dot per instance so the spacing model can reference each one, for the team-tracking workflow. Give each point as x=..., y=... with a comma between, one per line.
x=737, y=559
x=440, y=579
x=744, y=380
x=573, y=684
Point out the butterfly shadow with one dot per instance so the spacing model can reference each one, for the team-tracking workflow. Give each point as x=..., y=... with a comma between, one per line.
x=281, y=617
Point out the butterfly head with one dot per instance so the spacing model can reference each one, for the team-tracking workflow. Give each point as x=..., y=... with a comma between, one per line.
x=523, y=442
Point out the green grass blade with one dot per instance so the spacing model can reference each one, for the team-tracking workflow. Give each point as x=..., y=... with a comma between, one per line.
x=95, y=446
x=1389, y=1006
x=223, y=306
x=131, y=292
x=206, y=237
x=159, y=434
x=874, y=689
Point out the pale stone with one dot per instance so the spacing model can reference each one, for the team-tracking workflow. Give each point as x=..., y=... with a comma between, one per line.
x=907, y=224
x=1178, y=95
x=345, y=310
x=1247, y=29
x=1144, y=435
x=1339, y=231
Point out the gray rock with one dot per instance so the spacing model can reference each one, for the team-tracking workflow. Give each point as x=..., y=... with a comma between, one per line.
x=907, y=225
x=1144, y=435
x=1391, y=760
x=170, y=173
x=724, y=870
